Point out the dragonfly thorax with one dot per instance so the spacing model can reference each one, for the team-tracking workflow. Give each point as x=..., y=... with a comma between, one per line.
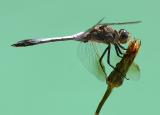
x=105, y=34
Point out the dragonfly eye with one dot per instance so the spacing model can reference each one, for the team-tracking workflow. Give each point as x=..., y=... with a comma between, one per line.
x=123, y=34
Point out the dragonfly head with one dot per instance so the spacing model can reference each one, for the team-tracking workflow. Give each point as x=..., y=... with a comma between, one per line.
x=123, y=36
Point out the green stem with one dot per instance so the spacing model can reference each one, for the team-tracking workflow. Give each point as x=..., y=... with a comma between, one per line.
x=104, y=98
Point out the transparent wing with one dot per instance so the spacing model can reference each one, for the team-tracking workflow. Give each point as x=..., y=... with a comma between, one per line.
x=89, y=54
x=133, y=72
x=95, y=24
x=122, y=23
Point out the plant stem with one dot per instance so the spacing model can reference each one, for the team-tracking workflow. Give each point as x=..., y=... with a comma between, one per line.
x=104, y=98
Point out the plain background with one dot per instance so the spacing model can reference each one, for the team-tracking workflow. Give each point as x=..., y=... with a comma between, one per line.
x=50, y=80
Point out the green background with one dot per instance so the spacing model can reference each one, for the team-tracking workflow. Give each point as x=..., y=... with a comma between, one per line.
x=50, y=80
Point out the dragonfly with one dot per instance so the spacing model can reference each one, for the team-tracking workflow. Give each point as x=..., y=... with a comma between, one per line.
x=90, y=55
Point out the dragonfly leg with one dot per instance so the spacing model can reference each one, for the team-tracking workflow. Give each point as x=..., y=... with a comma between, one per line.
x=100, y=59
x=121, y=46
x=118, y=51
x=108, y=60
x=108, y=56
x=126, y=78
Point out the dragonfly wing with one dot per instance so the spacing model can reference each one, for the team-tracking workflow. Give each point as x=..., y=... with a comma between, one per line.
x=122, y=23
x=89, y=55
x=90, y=29
x=133, y=72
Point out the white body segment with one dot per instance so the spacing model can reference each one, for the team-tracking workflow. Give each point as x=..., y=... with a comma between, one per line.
x=77, y=37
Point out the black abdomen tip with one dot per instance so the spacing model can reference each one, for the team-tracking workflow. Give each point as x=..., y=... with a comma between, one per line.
x=24, y=43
